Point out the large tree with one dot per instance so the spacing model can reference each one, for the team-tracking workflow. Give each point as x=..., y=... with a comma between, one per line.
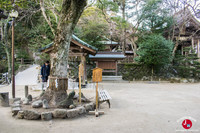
x=69, y=16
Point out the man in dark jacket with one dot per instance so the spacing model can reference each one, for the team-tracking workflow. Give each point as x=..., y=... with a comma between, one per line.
x=45, y=71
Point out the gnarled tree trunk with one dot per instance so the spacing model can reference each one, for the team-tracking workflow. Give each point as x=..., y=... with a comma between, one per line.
x=70, y=14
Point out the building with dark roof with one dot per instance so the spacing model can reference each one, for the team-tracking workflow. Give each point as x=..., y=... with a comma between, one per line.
x=109, y=58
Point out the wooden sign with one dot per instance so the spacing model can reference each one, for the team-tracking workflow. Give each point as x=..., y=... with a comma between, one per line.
x=81, y=74
x=97, y=75
x=81, y=70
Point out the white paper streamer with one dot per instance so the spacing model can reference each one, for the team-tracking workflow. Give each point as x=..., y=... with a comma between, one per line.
x=56, y=83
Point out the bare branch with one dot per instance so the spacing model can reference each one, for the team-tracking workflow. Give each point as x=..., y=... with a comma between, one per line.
x=45, y=16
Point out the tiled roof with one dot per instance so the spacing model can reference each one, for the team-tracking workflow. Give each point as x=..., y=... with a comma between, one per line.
x=109, y=42
x=76, y=39
x=110, y=55
x=83, y=43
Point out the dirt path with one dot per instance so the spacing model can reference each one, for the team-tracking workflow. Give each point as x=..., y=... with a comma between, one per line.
x=135, y=107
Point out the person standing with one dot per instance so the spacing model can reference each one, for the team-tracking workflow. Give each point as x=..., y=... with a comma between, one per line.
x=45, y=72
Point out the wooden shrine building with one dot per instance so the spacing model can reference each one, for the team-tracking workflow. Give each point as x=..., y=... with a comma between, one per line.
x=187, y=31
x=109, y=58
x=78, y=50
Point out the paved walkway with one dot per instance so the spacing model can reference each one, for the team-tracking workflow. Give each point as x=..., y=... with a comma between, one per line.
x=28, y=76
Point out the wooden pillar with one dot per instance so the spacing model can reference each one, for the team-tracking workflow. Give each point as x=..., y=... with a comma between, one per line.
x=182, y=50
x=198, y=53
x=192, y=43
x=85, y=71
x=116, y=68
x=83, y=61
x=97, y=64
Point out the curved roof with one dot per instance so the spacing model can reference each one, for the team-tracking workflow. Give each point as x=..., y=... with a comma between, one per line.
x=74, y=38
x=83, y=43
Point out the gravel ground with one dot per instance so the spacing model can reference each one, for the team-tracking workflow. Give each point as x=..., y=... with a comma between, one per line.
x=135, y=108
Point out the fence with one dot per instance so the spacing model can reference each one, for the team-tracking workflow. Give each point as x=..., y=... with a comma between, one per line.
x=128, y=59
x=4, y=78
x=24, y=61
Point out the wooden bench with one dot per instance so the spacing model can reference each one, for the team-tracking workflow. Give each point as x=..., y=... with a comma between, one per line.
x=104, y=97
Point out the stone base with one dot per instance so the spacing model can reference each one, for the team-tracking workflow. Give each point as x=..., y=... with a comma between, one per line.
x=12, y=100
x=32, y=114
x=4, y=99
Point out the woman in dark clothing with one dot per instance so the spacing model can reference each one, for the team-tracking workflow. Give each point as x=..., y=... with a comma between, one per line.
x=45, y=71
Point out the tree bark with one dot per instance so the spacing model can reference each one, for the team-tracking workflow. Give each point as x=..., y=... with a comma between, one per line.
x=70, y=14
x=123, y=28
x=5, y=42
x=134, y=47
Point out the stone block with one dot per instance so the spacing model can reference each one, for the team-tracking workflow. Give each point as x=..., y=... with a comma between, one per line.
x=4, y=99
x=20, y=115
x=12, y=100
x=89, y=106
x=46, y=116
x=31, y=115
x=15, y=110
x=37, y=104
x=81, y=110
x=59, y=113
x=72, y=113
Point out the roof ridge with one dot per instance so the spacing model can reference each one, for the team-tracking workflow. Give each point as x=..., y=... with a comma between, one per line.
x=73, y=37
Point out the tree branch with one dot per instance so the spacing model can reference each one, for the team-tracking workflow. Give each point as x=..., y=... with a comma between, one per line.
x=45, y=16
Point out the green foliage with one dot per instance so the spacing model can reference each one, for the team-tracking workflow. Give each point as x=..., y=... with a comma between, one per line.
x=108, y=5
x=92, y=29
x=43, y=58
x=187, y=65
x=154, y=51
x=3, y=66
x=33, y=32
x=22, y=54
x=150, y=16
x=154, y=17
x=8, y=5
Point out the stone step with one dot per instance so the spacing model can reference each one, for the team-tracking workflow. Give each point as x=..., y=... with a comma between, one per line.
x=111, y=78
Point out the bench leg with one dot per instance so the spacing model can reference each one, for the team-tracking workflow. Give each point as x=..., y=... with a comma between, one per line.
x=108, y=101
x=99, y=103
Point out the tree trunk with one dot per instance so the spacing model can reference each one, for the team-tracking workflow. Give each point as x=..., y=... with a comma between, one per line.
x=134, y=47
x=70, y=14
x=8, y=63
x=5, y=42
x=123, y=28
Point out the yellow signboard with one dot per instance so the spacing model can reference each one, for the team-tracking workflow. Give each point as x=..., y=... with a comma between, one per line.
x=97, y=75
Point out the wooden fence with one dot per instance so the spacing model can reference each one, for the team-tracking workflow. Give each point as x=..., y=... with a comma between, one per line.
x=24, y=61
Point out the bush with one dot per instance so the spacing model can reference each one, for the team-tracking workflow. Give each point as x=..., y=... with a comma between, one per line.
x=154, y=52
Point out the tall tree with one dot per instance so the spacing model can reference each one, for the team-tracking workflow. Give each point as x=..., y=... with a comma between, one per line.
x=4, y=25
x=69, y=16
x=5, y=7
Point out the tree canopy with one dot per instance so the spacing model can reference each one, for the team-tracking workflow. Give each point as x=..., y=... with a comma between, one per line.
x=154, y=51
